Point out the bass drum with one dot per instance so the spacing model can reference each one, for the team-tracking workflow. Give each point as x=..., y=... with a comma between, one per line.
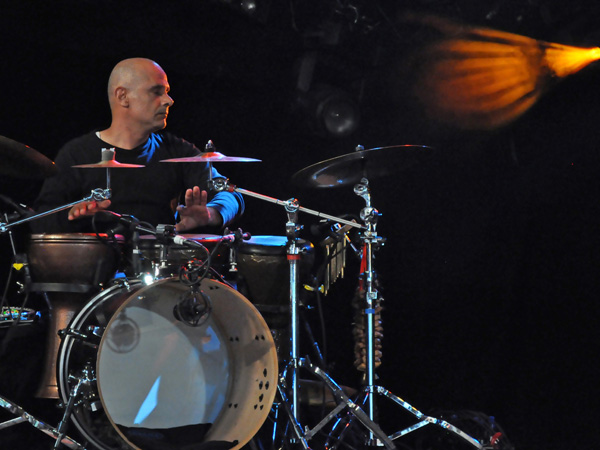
x=154, y=380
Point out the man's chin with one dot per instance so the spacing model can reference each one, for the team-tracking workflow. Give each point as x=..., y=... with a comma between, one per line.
x=160, y=126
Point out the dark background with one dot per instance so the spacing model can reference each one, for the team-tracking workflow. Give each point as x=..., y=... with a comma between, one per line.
x=490, y=266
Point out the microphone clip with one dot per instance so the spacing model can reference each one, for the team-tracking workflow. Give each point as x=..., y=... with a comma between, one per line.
x=194, y=308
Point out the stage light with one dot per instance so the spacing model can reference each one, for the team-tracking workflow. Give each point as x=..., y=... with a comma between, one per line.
x=255, y=9
x=329, y=112
x=249, y=6
x=336, y=113
x=481, y=78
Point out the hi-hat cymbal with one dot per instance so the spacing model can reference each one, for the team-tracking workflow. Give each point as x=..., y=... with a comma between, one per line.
x=21, y=161
x=110, y=164
x=350, y=168
x=211, y=157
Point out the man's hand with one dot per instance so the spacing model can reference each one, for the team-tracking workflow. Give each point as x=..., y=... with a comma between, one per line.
x=195, y=213
x=87, y=208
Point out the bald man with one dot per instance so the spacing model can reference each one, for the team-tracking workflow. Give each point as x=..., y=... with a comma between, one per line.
x=138, y=95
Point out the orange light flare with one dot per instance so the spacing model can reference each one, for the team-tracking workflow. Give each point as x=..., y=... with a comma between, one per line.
x=565, y=60
x=479, y=78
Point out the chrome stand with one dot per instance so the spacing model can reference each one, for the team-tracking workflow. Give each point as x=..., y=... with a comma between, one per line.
x=96, y=194
x=24, y=416
x=59, y=434
x=288, y=379
x=371, y=240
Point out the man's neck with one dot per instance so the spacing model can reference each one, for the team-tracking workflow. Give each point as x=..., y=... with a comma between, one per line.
x=123, y=138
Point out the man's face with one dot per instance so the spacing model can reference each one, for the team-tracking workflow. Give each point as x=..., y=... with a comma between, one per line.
x=149, y=100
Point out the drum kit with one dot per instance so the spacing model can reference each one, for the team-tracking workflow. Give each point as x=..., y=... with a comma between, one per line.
x=183, y=347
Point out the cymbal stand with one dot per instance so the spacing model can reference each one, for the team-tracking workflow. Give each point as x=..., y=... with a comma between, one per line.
x=291, y=406
x=369, y=215
x=61, y=439
x=369, y=240
x=96, y=194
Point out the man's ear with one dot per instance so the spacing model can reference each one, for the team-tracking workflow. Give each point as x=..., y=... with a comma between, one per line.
x=121, y=96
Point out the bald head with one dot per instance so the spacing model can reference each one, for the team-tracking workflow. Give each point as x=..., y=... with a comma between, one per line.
x=138, y=94
x=129, y=73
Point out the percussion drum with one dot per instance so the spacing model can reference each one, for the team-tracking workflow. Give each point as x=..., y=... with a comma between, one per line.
x=69, y=268
x=264, y=274
x=76, y=262
x=164, y=260
x=161, y=382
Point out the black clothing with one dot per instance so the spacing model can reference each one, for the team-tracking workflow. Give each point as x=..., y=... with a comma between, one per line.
x=145, y=193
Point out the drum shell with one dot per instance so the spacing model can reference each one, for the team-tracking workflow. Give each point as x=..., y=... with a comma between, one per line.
x=73, y=258
x=178, y=254
x=69, y=268
x=264, y=272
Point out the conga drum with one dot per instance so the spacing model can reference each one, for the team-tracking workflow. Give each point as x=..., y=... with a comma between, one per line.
x=68, y=269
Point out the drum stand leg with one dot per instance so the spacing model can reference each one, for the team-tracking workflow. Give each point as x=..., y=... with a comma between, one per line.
x=370, y=238
x=376, y=437
x=342, y=400
x=78, y=392
x=24, y=416
x=291, y=406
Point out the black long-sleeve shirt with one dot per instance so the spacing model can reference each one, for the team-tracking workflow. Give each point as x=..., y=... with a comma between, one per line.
x=145, y=193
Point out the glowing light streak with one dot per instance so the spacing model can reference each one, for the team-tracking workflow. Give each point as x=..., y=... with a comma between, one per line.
x=480, y=78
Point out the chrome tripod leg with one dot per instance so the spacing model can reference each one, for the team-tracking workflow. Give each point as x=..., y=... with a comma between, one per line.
x=288, y=408
x=339, y=430
x=24, y=416
x=83, y=382
x=343, y=403
x=426, y=420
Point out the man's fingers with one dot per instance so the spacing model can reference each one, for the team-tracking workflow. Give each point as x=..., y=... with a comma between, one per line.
x=195, y=196
x=189, y=196
x=87, y=208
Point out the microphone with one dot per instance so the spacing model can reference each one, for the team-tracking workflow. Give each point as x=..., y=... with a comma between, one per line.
x=124, y=222
x=237, y=235
x=20, y=211
x=194, y=308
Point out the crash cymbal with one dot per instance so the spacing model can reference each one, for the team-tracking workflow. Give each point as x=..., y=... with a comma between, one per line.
x=21, y=161
x=350, y=168
x=110, y=164
x=211, y=157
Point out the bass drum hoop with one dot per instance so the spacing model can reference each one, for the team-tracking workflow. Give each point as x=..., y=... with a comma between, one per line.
x=250, y=395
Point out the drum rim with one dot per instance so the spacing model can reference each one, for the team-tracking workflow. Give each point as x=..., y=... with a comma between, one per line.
x=66, y=345
x=74, y=237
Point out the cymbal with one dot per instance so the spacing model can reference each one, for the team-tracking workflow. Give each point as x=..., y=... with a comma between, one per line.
x=211, y=157
x=110, y=164
x=21, y=161
x=350, y=168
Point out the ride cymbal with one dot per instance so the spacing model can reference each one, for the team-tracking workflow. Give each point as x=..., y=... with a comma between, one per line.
x=350, y=168
x=21, y=161
x=212, y=157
